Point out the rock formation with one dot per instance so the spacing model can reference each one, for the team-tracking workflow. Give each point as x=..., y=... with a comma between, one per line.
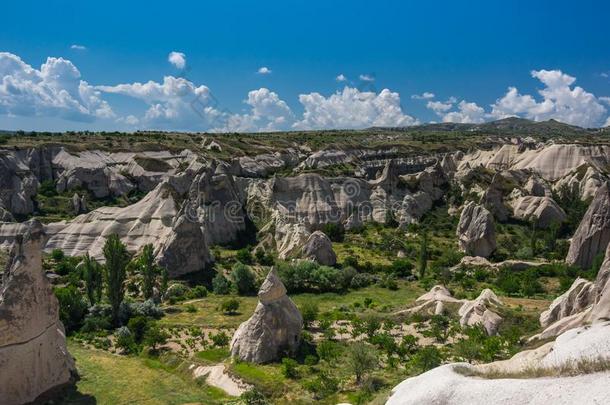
x=273, y=329
x=578, y=297
x=433, y=302
x=481, y=312
x=593, y=233
x=319, y=248
x=34, y=360
x=543, y=210
x=475, y=231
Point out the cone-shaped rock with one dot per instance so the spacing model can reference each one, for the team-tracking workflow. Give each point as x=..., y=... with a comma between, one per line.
x=34, y=360
x=274, y=328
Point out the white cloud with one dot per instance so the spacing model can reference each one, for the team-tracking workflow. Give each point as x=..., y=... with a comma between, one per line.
x=268, y=113
x=605, y=100
x=264, y=70
x=77, y=47
x=341, y=78
x=56, y=90
x=607, y=124
x=467, y=113
x=440, y=107
x=605, y=75
x=174, y=104
x=178, y=59
x=424, y=96
x=560, y=101
x=352, y=108
x=367, y=78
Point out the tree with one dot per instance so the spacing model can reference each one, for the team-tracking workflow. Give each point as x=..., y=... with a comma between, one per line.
x=220, y=284
x=243, y=279
x=149, y=270
x=93, y=277
x=361, y=359
x=117, y=259
x=72, y=307
x=428, y=357
x=155, y=336
x=423, y=255
x=244, y=256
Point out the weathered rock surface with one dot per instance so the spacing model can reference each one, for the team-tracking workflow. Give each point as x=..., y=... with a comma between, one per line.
x=481, y=311
x=433, y=302
x=34, y=360
x=444, y=385
x=274, y=328
x=319, y=248
x=580, y=296
x=543, y=210
x=475, y=231
x=593, y=233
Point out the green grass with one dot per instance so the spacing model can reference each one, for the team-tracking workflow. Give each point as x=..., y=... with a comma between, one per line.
x=111, y=379
x=215, y=355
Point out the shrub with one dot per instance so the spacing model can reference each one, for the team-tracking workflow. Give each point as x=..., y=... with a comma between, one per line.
x=243, y=279
x=230, y=306
x=263, y=258
x=309, y=312
x=322, y=386
x=154, y=336
x=244, y=256
x=253, y=397
x=362, y=280
x=328, y=350
x=147, y=308
x=198, y=292
x=96, y=324
x=138, y=326
x=220, y=284
x=125, y=340
x=335, y=232
x=351, y=261
x=220, y=339
x=401, y=268
x=427, y=358
x=176, y=291
x=290, y=368
x=72, y=307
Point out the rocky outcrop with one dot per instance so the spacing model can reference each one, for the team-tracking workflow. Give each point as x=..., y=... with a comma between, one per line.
x=274, y=328
x=319, y=248
x=475, y=231
x=433, y=302
x=455, y=383
x=33, y=356
x=593, y=233
x=580, y=296
x=544, y=211
x=482, y=311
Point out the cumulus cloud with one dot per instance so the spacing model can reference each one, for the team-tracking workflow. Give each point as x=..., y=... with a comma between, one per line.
x=367, y=78
x=467, y=113
x=264, y=70
x=268, y=113
x=178, y=59
x=77, y=47
x=440, y=107
x=341, y=78
x=424, y=96
x=55, y=90
x=560, y=100
x=176, y=103
x=352, y=108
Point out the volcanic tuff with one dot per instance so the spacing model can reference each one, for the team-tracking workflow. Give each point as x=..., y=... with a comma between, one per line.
x=33, y=356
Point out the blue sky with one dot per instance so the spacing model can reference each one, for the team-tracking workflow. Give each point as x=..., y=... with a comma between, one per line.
x=466, y=53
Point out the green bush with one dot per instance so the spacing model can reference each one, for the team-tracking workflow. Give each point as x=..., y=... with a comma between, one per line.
x=426, y=358
x=220, y=284
x=72, y=307
x=401, y=268
x=290, y=368
x=309, y=312
x=220, y=339
x=335, y=232
x=138, y=325
x=198, y=292
x=244, y=256
x=243, y=279
x=230, y=306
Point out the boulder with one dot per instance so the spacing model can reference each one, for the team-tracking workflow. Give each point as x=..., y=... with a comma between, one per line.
x=5, y=215
x=580, y=296
x=475, y=231
x=593, y=233
x=433, y=302
x=319, y=248
x=543, y=210
x=274, y=328
x=481, y=312
x=34, y=359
